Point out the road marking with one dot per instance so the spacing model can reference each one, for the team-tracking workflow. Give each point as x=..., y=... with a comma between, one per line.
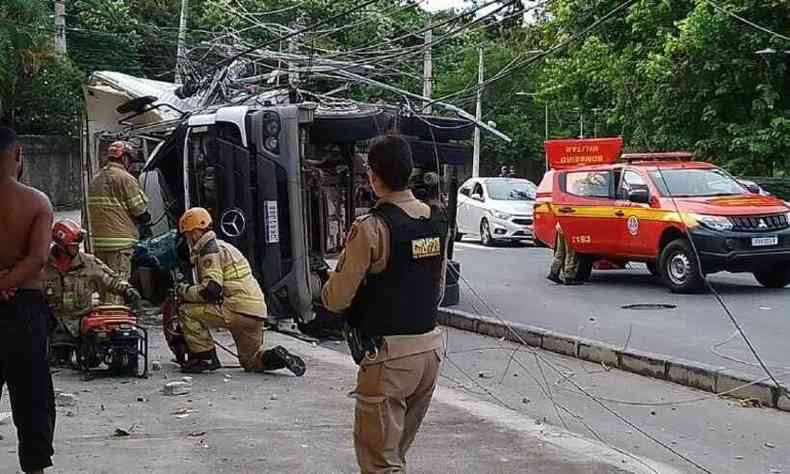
x=527, y=427
x=465, y=245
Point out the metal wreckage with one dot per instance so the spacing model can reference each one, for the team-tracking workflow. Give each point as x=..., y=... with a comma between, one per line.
x=281, y=170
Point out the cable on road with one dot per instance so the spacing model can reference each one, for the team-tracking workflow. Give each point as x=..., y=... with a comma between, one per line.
x=587, y=393
x=715, y=293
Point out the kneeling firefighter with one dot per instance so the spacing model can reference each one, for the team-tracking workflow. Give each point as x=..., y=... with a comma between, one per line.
x=389, y=282
x=71, y=277
x=226, y=296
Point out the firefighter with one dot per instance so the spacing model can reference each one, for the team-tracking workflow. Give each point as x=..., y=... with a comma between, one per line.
x=118, y=211
x=388, y=284
x=71, y=277
x=565, y=266
x=226, y=295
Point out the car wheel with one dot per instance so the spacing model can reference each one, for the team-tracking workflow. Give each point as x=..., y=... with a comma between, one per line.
x=485, y=234
x=652, y=267
x=679, y=268
x=775, y=277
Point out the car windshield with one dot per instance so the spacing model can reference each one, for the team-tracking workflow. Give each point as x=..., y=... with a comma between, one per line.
x=696, y=183
x=511, y=190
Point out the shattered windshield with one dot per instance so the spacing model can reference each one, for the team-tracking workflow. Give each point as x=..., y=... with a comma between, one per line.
x=511, y=190
x=695, y=183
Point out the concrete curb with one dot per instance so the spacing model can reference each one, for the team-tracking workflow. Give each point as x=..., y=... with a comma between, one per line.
x=697, y=375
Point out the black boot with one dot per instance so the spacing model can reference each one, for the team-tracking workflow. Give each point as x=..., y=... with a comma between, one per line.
x=201, y=362
x=573, y=282
x=279, y=358
x=554, y=277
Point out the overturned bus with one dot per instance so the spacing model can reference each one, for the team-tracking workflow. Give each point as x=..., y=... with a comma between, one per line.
x=282, y=179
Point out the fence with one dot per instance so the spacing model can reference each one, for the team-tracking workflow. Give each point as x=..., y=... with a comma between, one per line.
x=52, y=164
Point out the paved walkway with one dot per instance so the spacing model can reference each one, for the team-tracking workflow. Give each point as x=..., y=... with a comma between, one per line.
x=252, y=423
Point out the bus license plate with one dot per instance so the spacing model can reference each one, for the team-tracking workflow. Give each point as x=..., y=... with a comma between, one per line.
x=765, y=241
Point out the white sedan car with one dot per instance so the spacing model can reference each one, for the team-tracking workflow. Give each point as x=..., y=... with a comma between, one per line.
x=496, y=209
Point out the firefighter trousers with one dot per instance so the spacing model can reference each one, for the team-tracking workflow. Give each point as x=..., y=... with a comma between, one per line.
x=119, y=261
x=24, y=367
x=247, y=332
x=392, y=398
x=566, y=262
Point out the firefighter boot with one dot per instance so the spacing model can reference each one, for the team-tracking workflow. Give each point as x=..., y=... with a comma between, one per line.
x=280, y=358
x=554, y=277
x=201, y=362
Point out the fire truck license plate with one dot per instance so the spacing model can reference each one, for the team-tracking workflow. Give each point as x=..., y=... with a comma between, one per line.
x=765, y=241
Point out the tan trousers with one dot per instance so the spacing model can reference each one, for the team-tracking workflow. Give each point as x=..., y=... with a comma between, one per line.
x=392, y=400
x=119, y=261
x=247, y=332
x=566, y=263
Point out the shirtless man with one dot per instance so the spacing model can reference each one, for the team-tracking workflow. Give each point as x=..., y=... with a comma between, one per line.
x=26, y=220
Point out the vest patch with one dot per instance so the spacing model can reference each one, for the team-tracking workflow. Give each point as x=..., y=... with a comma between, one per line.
x=424, y=248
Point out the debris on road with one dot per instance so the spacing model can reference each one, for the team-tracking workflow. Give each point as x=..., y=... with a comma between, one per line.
x=121, y=433
x=187, y=380
x=769, y=445
x=176, y=388
x=273, y=397
x=485, y=374
x=184, y=412
x=196, y=434
x=750, y=403
x=63, y=399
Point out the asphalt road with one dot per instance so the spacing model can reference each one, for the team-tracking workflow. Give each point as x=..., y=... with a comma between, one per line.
x=510, y=280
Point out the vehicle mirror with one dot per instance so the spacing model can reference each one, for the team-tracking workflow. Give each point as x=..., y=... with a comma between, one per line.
x=752, y=187
x=639, y=195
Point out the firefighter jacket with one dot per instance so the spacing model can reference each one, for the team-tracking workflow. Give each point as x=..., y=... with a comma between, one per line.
x=222, y=265
x=115, y=199
x=70, y=293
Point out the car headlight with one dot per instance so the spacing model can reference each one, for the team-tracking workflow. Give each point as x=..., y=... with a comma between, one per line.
x=501, y=215
x=714, y=222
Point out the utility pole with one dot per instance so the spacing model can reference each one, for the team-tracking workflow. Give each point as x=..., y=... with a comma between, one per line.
x=547, y=133
x=182, y=37
x=478, y=116
x=60, y=28
x=581, y=123
x=427, y=70
x=293, y=48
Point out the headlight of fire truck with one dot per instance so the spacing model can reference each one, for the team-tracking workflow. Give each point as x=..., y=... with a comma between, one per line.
x=719, y=223
x=500, y=215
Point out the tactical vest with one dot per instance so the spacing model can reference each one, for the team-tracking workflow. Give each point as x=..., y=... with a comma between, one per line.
x=401, y=300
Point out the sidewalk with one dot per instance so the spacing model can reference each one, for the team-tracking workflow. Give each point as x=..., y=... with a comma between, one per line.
x=252, y=423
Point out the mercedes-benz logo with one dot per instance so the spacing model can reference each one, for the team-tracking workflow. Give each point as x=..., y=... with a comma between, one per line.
x=233, y=223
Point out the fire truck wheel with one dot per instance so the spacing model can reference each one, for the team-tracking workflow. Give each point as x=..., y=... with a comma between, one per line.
x=777, y=276
x=679, y=268
x=585, y=268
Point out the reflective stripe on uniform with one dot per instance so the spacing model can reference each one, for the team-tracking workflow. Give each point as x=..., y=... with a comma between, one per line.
x=113, y=243
x=104, y=202
x=236, y=271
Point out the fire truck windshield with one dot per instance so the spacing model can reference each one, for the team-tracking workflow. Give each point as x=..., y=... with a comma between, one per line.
x=695, y=183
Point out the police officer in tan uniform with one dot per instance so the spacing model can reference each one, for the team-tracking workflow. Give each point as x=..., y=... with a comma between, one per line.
x=565, y=266
x=226, y=295
x=388, y=284
x=118, y=211
x=71, y=277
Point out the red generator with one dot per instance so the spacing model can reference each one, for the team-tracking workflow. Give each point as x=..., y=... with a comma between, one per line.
x=111, y=341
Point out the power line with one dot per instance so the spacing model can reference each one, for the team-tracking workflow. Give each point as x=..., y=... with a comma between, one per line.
x=744, y=20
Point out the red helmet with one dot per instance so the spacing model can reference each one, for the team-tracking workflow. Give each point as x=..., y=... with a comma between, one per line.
x=67, y=233
x=119, y=149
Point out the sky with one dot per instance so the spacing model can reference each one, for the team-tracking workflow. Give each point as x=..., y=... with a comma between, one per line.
x=434, y=5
